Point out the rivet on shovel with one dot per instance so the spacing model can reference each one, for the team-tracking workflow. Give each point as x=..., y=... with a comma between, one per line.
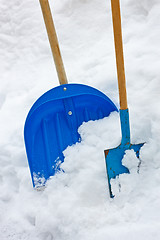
x=70, y=113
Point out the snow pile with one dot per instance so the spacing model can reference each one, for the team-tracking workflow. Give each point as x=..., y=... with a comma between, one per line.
x=76, y=204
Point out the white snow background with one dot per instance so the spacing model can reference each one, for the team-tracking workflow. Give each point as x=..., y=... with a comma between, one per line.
x=76, y=205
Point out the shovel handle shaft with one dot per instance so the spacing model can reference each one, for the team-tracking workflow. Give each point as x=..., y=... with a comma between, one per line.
x=116, y=16
x=53, y=41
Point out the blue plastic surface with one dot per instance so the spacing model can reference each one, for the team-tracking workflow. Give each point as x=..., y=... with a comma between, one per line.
x=114, y=156
x=52, y=125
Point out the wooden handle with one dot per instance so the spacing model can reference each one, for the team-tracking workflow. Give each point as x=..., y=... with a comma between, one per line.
x=53, y=41
x=116, y=16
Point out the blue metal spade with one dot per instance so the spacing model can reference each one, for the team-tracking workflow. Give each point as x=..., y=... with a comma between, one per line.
x=53, y=121
x=114, y=156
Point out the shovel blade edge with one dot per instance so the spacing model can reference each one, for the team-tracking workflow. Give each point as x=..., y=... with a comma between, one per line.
x=113, y=159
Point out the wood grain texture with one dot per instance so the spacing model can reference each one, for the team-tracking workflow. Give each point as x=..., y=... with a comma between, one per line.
x=53, y=41
x=116, y=16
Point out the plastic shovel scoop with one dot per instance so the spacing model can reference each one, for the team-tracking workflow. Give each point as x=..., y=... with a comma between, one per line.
x=114, y=156
x=53, y=121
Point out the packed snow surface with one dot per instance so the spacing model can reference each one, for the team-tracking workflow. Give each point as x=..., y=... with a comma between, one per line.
x=75, y=205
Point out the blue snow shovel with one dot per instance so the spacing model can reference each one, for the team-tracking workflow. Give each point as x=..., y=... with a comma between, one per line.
x=53, y=121
x=114, y=156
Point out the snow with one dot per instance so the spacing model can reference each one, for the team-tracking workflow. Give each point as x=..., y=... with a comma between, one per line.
x=76, y=204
